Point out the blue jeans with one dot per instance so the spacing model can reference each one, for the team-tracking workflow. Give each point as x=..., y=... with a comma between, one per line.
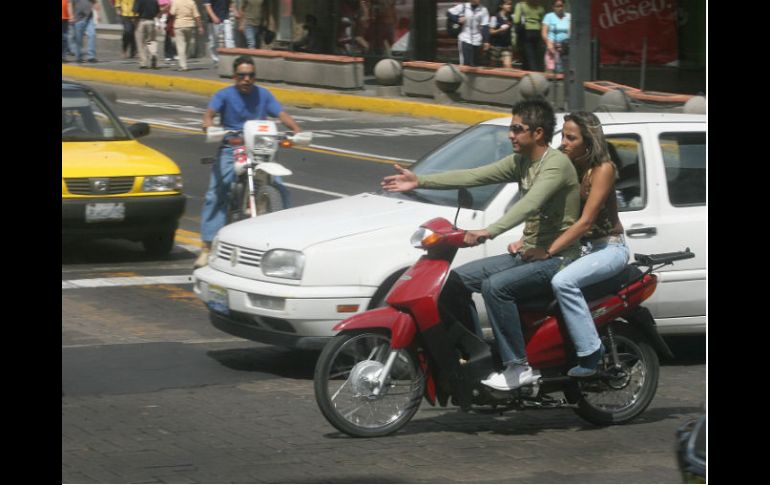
x=604, y=261
x=502, y=281
x=253, y=35
x=65, y=26
x=214, y=213
x=87, y=27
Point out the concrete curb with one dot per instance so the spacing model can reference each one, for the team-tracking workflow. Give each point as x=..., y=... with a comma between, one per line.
x=455, y=114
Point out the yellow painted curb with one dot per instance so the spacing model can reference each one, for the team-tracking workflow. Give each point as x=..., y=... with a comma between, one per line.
x=469, y=116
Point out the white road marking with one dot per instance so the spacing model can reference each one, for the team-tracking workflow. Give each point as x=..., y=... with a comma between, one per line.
x=312, y=189
x=126, y=281
x=351, y=152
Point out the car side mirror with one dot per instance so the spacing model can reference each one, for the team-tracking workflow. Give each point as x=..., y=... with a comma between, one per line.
x=138, y=130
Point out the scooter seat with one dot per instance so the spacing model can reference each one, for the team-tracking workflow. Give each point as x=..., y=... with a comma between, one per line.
x=547, y=303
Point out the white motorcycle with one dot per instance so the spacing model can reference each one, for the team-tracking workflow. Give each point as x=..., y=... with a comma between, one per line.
x=256, y=190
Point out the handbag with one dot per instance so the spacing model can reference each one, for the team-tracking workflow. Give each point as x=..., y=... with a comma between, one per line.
x=268, y=36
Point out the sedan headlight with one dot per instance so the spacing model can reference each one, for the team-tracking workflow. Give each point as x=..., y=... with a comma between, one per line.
x=162, y=183
x=282, y=263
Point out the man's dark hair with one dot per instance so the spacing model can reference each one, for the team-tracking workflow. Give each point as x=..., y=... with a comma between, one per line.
x=536, y=113
x=243, y=60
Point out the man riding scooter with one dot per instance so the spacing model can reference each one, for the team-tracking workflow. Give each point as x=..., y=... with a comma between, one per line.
x=549, y=205
x=235, y=104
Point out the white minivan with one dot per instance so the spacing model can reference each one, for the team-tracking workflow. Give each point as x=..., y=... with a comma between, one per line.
x=287, y=278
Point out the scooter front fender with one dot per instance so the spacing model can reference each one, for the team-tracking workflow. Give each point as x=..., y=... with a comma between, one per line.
x=401, y=326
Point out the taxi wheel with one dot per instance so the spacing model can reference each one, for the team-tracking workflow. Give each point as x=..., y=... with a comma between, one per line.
x=159, y=244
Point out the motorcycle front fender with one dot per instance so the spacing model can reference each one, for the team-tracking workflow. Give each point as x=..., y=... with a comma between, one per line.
x=274, y=169
x=401, y=326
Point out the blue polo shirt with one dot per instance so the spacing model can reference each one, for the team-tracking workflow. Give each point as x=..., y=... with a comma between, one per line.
x=235, y=109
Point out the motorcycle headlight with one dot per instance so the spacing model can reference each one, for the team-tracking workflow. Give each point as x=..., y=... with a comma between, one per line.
x=264, y=145
x=162, y=183
x=424, y=238
x=282, y=263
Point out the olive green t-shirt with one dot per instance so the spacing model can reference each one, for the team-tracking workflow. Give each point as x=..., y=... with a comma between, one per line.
x=549, y=201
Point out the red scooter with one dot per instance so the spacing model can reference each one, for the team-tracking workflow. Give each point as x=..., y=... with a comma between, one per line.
x=371, y=377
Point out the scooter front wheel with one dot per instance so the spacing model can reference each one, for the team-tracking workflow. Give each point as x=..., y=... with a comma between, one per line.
x=348, y=389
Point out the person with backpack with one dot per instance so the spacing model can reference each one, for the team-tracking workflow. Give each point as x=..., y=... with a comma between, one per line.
x=474, y=34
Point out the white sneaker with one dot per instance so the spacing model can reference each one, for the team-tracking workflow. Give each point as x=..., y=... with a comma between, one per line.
x=512, y=377
x=202, y=260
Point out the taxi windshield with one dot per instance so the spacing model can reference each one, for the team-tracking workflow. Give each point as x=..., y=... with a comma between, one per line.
x=85, y=117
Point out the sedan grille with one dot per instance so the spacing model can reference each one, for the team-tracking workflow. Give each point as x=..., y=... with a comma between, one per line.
x=99, y=185
x=240, y=255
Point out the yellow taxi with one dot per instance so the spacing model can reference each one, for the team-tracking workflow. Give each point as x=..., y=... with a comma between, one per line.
x=113, y=186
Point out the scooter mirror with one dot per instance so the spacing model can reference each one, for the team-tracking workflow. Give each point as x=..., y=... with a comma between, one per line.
x=464, y=201
x=464, y=198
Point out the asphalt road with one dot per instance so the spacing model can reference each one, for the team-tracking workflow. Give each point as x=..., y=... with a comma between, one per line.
x=152, y=393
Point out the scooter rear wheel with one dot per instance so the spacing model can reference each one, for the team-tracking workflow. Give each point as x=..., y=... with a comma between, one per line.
x=619, y=399
x=345, y=379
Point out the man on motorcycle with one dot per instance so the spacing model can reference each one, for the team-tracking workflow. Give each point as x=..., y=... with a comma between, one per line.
x=549, y=204
x=235, y=104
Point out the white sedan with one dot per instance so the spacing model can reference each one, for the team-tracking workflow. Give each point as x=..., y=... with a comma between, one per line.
x=287, y=278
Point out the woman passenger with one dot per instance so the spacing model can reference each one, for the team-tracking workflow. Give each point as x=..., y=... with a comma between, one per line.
x=599, y=226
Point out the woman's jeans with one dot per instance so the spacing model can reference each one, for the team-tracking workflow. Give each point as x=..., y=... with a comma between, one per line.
x=604, y=261
x=502, y=281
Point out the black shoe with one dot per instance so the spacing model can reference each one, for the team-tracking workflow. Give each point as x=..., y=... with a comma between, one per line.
x=587, y=366
x=154, y=62
x=93, y=61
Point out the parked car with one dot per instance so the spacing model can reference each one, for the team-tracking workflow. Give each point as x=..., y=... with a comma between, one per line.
x=287, y=278
x=113, y=186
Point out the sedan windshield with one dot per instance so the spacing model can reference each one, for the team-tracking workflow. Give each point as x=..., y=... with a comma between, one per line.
x=475, y=147
x=85, y=118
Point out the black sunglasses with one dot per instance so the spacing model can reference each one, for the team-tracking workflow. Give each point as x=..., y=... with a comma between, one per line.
x=244, y=75
x=517, y=128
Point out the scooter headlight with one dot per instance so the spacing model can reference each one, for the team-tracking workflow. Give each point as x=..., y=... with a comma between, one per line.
x=282, y=263
x=424, y=238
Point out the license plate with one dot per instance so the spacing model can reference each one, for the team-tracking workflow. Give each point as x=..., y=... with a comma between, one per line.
x=218, y=300
x=103, y=211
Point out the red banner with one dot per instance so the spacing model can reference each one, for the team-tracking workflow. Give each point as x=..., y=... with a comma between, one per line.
x=622, y=26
